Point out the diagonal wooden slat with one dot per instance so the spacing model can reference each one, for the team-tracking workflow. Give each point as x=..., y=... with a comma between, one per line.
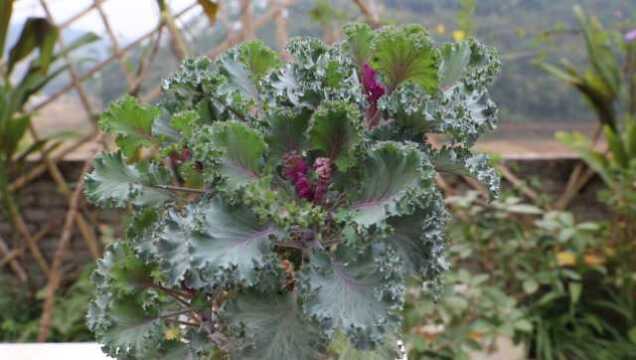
x=9, y=258
x=122, y=56
x=99, y=66
x=55, y=274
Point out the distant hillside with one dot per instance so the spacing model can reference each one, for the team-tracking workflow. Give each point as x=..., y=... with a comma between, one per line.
x=523, y=92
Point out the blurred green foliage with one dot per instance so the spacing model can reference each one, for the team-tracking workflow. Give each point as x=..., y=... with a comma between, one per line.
x=20, y=311
x=562, y=289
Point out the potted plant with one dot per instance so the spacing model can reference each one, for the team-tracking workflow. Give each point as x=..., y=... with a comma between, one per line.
x=278, y=208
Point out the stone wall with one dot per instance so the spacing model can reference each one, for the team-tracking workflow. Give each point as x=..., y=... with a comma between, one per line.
x=43, y=206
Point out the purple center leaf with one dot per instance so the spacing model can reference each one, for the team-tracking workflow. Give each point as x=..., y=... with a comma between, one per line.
x=630, y=36
x=372, y=86
x=374, y=91
x=296, y=170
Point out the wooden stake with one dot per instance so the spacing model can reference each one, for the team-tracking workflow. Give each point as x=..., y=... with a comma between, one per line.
x=372, y=18
x=9, y=257
x=55, y=276
x=85, y=228
x=23, y=230
x=578, y=178
x=518, y=183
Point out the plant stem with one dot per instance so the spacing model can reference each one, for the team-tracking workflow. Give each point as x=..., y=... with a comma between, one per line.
x=180, y=297
x=176, y=313
x=180, y=189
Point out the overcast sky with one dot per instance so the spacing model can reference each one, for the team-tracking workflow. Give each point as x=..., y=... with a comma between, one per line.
x=129, y=18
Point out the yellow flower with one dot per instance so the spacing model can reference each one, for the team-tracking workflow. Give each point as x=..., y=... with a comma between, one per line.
x=459, y=35
x=172, y=333
x=475, y=335
x=594, y=260
x=441, y=29
x=566, y=258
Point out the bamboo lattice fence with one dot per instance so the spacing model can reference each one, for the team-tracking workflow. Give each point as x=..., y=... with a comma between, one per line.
x=168, y=32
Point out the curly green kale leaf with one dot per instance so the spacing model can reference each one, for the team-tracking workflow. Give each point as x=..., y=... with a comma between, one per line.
x=131, y=123
x=418, y=238
x=114, y=183
x=279, y=208
x=235, y=150
x=336, y=131
x=272, y=327
x=358, y=40
x=462, y=109
x=391, y=175
x=354, y=293
x=460, y=161
x=406, y=54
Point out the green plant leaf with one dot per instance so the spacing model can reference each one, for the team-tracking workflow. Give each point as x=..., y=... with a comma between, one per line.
x=239, y=78
x=581, y=144
x=349, y=292
x=419, y=237
x=258, y=58
x=141, y=231
x=524, y=209
x=118, y=314
x=599, y=51
x=462, y=112
x=455, y=58
x=173, y=245
x=229, y=241
x=273, y=328
x=460, y=161
x=390, y=172
x=287, y=131
x=406, y=53
x=467, y=114
x=575, y=290
x=186, y=123
x=175, y=350
x=122, y=272
x=632, y=335
x=5, y=19
x=14, y=130
x=244, y=67
x=242, y=151
x=530, y=286
x=336, y=131
x=133, y=328
x=113, y=183
x=617, y=148
x=37, y=33
x=131, y=123
x=345, y=351
x=358, y=39
x=630, y=137
x=32, y=82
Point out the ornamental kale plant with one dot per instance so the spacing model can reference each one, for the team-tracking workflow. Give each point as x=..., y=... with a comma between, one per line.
x=279, y=208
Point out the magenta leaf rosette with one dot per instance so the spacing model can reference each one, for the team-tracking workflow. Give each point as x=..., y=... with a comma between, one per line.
x=278, y=209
